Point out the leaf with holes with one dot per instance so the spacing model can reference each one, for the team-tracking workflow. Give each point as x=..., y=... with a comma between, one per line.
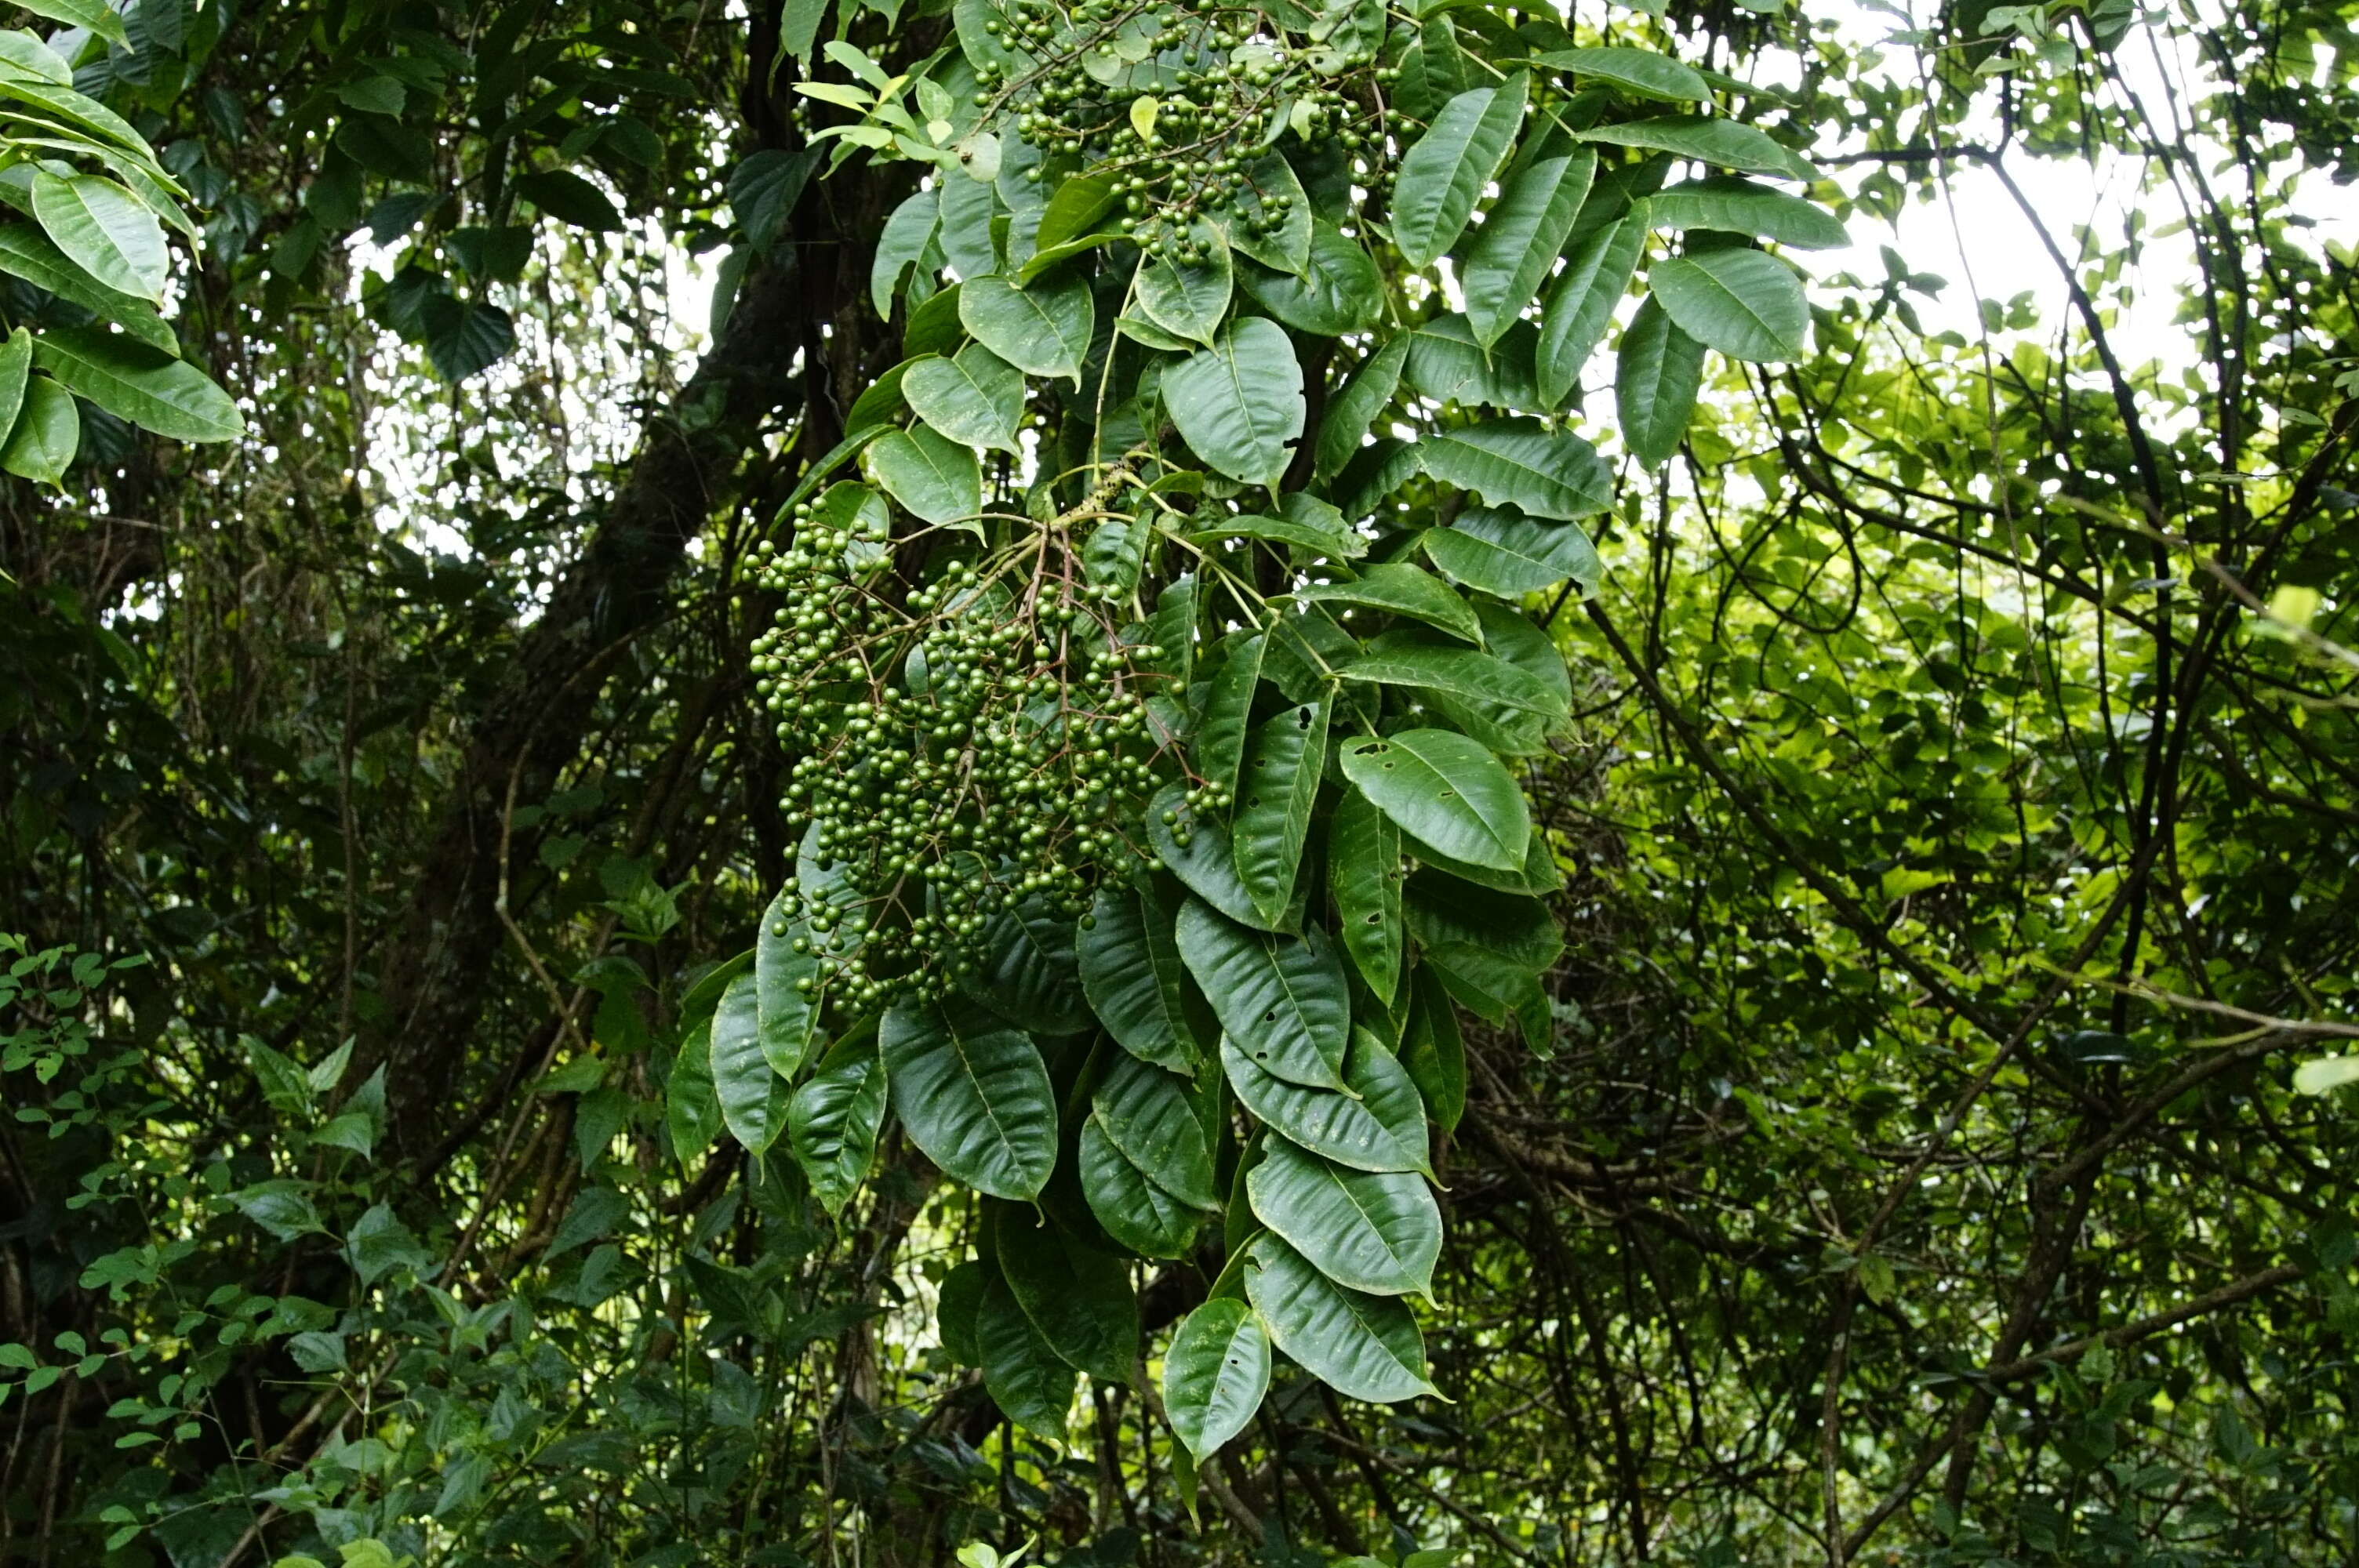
x=1445, y=790
x=1283, y=999
x=1238, y=405
x=1215, y=1374
x=1364, y=873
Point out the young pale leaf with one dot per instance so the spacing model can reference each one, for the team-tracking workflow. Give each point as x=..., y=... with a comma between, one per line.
x=833, y=1120
x=1443, y=175
x=105, y=230
x=1373, y=1231
x=1027, y=1378
x=1504, y=552
x=1078, y=1299
x=131, y=381
x=753, y=1097
x=1215, y=1374
x=1275, y=790
x=1745, y=303
x=1721, y=142
x=45, y=432
x=975, y=1096
x=1520, y=240
x=691, y=1108
x=1642, y=72
x=936, y=477
x=786, y=986
x=1515, y=462
x=1136, y=1212
x=1133, y=977
x=1444, y=790
x=1397, y=588
x=1044, y=329
x=1364, y=872
x=1740, y=206
x=1580, y=306
x=1337, y=290
x=1188, y=299
x=1283, y=999
x=1363, y=1347
x=1354, y=410
x=1152, y=1120
x=975, y=399
x=1238, y=405
x=1379, y=1126
x=1657, y=372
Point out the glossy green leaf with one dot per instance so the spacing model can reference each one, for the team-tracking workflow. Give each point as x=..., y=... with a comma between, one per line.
x=1443, y=176
x=1462, y=682
x=1373, y=1231
x=1028, y=1380
x=1338, y=290
x=975, y=398
x=1282, y=999
x=786, y=988
x=1029, y=974
x=464, y=338
x=957, y=1304
x=45, y=434
x=1365, y=873
x=934, y=477
x=1219, y=745
x=691, y=1108
x=1520, y=239
x=1151, y=1117
x=1204, y=864
x=1361, y=1346
x=1740, y=206
x=1134, y=1210
x=1352, y=411
x=753, y=1097
x=1745, y=303
x=1378, y=1126
x=1657, y=372
x=1075, y=209
x=1448, y=365
x=1043, y=329
x=103, y=229
x=95, y=15
x=1131, y=972
x=1445, y=790
x=1215, y=1374
x=1397, y=588
x=145, y=386
x=566, y=197
x=1433, y=1053
x=1238, y=405
x=968, y=208
x=1275, y=790
x=833, y=1120
x=975, y=1096
x=1314, y=540
x=1080, y=1300
x=1581, y=303
x=1188, y=299
x=1521, y=931
x=1721, y=142
x=1642, y=72
x=27, y=253
x=1516, y=462
x=1504, y=552
x=15, y=373
x=1284, y=245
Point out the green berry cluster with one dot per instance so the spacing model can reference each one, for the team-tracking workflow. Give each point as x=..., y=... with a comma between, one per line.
x=977, y=746
x=1181, y=139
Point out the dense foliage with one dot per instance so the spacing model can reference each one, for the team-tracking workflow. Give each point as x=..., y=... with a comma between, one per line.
x=1291, y=800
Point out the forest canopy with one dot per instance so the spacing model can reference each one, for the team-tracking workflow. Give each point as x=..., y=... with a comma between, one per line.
x=1151, y=782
